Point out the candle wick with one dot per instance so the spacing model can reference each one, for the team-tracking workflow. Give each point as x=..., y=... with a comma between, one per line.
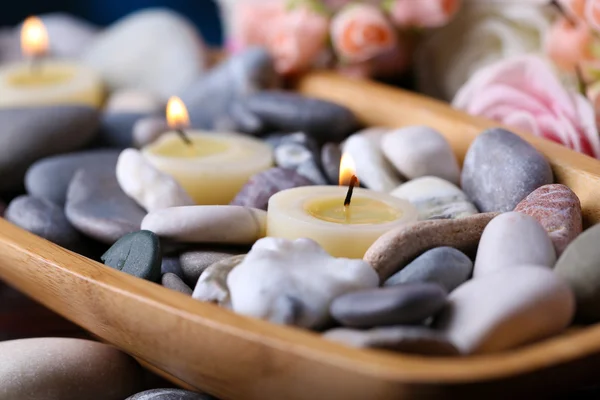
x=183, y=136
x=353, y=181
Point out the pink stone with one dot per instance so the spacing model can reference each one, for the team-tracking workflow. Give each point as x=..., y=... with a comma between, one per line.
x=558, y=209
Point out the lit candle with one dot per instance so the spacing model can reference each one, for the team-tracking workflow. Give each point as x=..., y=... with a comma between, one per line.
x=46, y=82
x=212, y=167
x=343, y=221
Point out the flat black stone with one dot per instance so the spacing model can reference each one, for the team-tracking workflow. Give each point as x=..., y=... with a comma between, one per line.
x=137, y=254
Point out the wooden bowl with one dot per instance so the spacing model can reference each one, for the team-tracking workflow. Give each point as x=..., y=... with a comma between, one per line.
x=199, y=345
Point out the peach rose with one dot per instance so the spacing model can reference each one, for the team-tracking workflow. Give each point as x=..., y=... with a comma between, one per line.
x=569, y=44
x=422, y=13
x=524, y=92
x=592, y=14
x=575, y=8
x=360, y=32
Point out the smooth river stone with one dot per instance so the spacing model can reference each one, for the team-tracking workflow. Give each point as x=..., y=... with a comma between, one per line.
x=259, y=189
x=501, y=169
x=147, y=130
x=418, y=151
x=116, y=129
x=169, y=394
x=506, y=309
x=195, y=262
x=209, y=98
x=579, y=265
x=398, y=247
x=97, y=206
x=134, y=101
x=294, y=282
x=45, y=219
x=151, y=188
x=208, y=224
x=137, y=254
x=212, y=285
x=435, y=198
x=29, y=134
x=372, y=168
x=404, y=339
x=299, y=152
x=290, y=112
x=156, y=50
x=69, y=35
x=395, y=305
x=171, y=264
x=174, y=282
x=331, y=156
x=445, y=266
x=66, y=369
x=558, y=209
x=513, y=239
x=50, y=177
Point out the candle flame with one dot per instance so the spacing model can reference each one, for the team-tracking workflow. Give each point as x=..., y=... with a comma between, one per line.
x=177, y=114
x=34, y=37
x=347, y=169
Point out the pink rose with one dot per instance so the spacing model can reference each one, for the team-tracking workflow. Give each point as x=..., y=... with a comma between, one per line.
x=360, y=32
x=524, y=92
x=575, y=8
x=592, y=14
x=569, y=44
x=423, y=13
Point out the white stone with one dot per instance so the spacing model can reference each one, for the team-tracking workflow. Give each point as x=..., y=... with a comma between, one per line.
x=150, y=188
x=506, y=309
x=418, y=151
x=372, y=169
x=134, y=101
x=513, y=239
x=155, y=50
x=212, y=284
x=435, y=198
x=69, y=35
x=294, y=282
x=146, y=130
x=208, y=224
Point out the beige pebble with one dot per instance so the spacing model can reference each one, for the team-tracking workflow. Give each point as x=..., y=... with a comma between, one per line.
x=66, y=369
x=133, y=101
x=396, y=248
x=208, y=224
x=506, y=309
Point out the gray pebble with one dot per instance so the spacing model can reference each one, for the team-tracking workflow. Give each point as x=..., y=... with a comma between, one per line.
x=49, y=178
x=173, y=282
x=404, y=339
x=259, y=189
x=445, y=266
x=171, y=265
x=212, y=285
x=331, y=156
x=169, y=394
x=194, y=262
x=209, y=98
x=147, y=130
x=45, y=219
x=30, y=133
x=394, y=305
x=116, y=129
x=97, y=206
x=300, y=152
x=501, y=169
x=137, y=254
x=289, y=112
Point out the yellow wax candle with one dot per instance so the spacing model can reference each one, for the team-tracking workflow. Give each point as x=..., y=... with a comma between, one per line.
x=318, y=213
x=46, y=82
x=214, y=167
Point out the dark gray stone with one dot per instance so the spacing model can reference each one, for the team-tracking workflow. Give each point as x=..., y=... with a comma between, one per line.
x=331, y=156
x=501, y=169
x=404, y=339
x=290, y=112
x=49, y=178
x=173, y=282
x=209, y=99
x=171, y=265
x=169, y=394
x=97, y=206
x=394, y=305
x=137, y=254
x=45, y=219
x=445, y=266
x=28, y=134
x=259, y=189
x=116, y=129
x=194, y=262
